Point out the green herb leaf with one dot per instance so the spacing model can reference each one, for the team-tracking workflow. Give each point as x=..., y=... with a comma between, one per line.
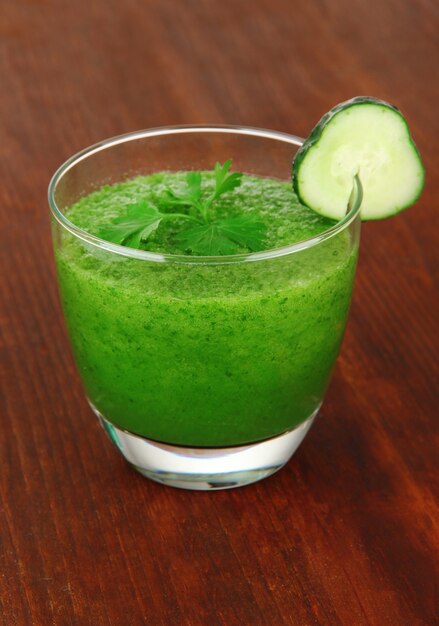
x=191, y=196
x=139, y=222
x=207, y=240
x=225, y=181
x=193, y=181
x=245, y=230
x=226, y=236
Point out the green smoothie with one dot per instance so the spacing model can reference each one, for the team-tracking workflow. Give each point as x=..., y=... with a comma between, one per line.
x=206, y=354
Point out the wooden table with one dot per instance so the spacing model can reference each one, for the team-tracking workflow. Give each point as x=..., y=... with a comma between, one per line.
x=346, y=534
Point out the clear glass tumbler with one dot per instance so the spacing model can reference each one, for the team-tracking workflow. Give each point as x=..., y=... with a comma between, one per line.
x=206, y=372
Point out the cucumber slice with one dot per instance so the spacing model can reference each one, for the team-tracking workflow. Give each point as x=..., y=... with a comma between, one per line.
x=363, y=136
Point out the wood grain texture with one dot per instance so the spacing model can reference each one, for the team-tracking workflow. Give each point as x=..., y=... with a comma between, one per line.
x=347, y=534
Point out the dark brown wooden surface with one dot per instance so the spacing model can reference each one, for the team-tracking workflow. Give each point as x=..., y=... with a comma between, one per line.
x=347, y=533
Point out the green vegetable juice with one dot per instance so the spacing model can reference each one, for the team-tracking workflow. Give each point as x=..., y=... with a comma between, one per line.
x=206, y=353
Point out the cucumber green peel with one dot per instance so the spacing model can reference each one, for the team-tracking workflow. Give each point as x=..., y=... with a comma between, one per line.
x=365, y=137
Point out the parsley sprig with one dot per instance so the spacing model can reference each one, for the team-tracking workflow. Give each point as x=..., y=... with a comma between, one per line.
x=206, y=235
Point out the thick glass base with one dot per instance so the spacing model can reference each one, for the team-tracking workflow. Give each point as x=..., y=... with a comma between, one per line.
x=206, y=468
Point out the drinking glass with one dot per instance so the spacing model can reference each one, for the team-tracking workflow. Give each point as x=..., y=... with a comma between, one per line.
x=206, y=372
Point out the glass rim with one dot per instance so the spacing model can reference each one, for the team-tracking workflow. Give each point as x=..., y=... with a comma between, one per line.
x=159, y=257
